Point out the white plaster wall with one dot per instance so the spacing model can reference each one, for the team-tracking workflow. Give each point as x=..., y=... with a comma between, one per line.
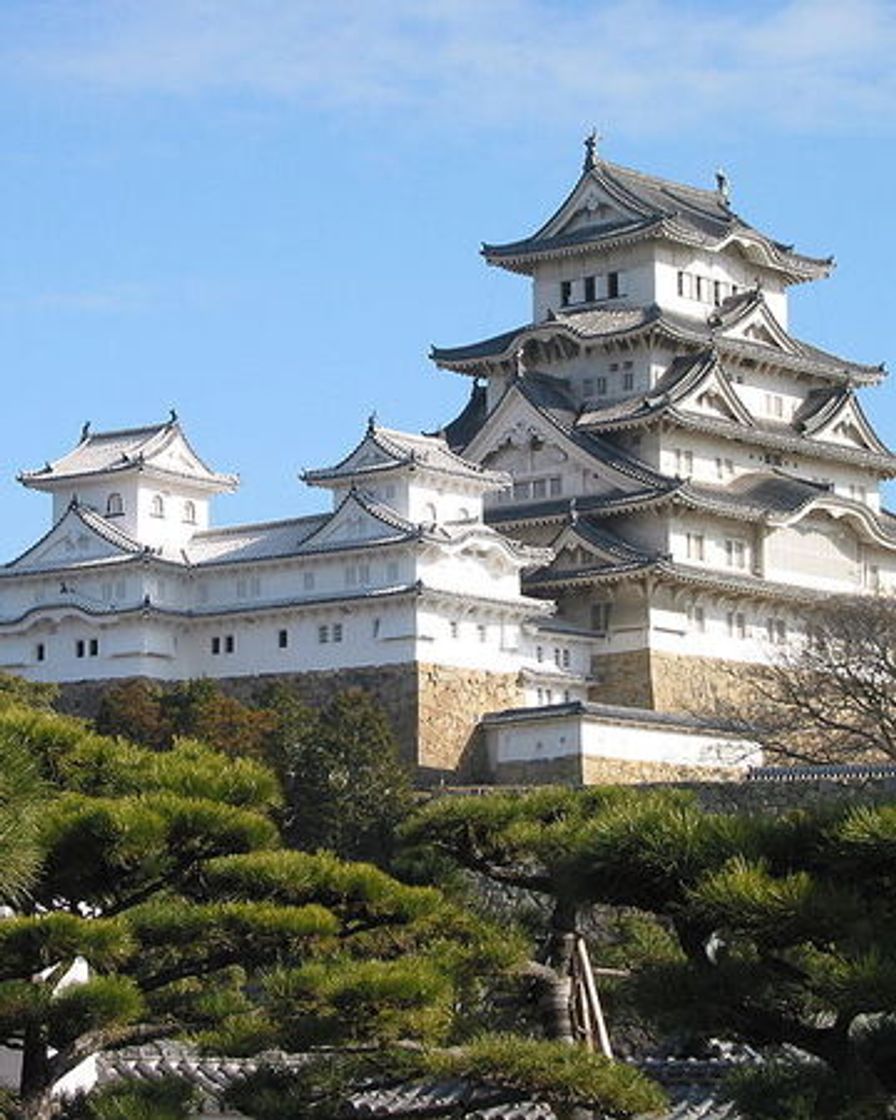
x=575, y=735
x=729, y=266
x=636, y=281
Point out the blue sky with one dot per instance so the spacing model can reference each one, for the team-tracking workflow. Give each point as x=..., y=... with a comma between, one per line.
x=263, y=212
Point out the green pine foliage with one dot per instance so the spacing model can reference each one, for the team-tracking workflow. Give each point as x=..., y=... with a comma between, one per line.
x=771, y=930
x=165, y=871
x=347, y=789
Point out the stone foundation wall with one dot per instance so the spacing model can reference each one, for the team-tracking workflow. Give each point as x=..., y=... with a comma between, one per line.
x=539, y=772
x=620, y=772
x=668, y=682
x=451, y=703
x=433, y=709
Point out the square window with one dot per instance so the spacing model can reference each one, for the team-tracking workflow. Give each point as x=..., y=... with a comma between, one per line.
x=282, y=639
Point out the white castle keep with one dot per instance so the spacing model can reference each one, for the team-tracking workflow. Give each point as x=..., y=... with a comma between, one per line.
x=652, y=479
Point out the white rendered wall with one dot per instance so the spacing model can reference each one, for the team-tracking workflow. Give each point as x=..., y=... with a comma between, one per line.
x=576, y=735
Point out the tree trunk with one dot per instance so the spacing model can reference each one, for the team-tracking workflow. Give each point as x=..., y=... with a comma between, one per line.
x=555, y=997
x=35, y=1083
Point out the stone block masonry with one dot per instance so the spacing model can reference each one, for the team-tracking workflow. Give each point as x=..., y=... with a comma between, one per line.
x=433, y=709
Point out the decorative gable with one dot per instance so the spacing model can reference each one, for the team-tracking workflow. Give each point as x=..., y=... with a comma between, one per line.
x=79, y=537
x=356, y=522
x=757, y=324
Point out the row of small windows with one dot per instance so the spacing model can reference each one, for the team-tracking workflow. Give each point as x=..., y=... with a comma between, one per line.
x=326, y=633
x=534, y=489
x=546, y=696
x=734, y=550
x=590, y=289
x=115, y=508
x=774, y=629
x=704, y=290
x=89, y=647
x=599, y=386
x=684, y=465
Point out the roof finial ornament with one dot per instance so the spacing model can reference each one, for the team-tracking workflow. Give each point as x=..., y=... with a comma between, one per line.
x=591, y=142
x=371, y=421
x=172, y=415
x=723, y=185
x=85, y=430
x=520, y=359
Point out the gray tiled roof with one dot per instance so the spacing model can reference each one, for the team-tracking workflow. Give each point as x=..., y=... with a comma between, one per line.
x=262, y=541
x=692, y=1087
x=402, y=449
x=656, y=207
x=117, y=451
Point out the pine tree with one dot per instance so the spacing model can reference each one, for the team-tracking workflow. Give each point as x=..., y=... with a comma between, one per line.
x=782, y=926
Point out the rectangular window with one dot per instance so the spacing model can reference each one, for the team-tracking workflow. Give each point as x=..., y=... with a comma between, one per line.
x=521, y=491
x=557, y=656
x=539, y=488
x=216, y=646
x=565, y=293
x=587, y=386
x=601, y=386
x=589, y=289
x=539, y=654
x=680, y=282
x=482, y=631
x=282, y=639
x=555, y=486
x=454, y=629
x=696, y=618
x=564, y=658
x=79, y=648
x=735, y=553
x=228, y=643
x=694, y=546
x=600, y=617
x=93, y=647
x=323, y=634
x=612, y=285
x=737, y=625
x=776, y=631
x=628, y=381
x=700, y=287
x=337, y=631
x=40, y=652
x=684, y=463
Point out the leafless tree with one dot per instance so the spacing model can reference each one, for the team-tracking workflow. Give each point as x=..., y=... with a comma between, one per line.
x=829, y=696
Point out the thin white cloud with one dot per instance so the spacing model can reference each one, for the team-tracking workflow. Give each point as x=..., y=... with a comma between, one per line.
x=644, y=65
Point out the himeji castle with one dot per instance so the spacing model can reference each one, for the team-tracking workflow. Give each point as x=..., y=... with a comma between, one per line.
x=653, y=481
x=704, y=479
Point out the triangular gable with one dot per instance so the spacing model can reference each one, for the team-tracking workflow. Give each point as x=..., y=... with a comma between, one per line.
x=356, y=521
x=172, y=452
x=574, y=547
x=519, y=438
x=756, y=323
x=370, y=452
x=847, y=426
x=712, y=394
x=594, y=201
x=77, y=538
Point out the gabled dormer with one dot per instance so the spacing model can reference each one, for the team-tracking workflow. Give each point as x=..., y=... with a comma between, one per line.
x=148, y=482
x=417, y=476
x=621, y=236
